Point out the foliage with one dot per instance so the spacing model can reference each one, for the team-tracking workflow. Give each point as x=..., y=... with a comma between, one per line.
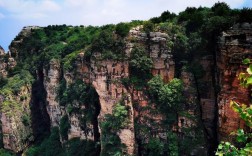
x=73, y=97
x=64, y=127
x=244, y=111
x=221, y=9
x=51, y=146
x=168, y=96
x=148, y=27
x=4, y=152
x=245, y=15
x=140, y=63
x=165, y=16
x=69, y=59
x=3, y=81
x=155, y=84
x=15, y=83
x=11, y=91
x=117, y=120
x=122, y=29
x=168, y=100
x=110, y=126
x=77, y=147
x=76, y=91
x=26, y=119
x=246, y=78
x=172, y=144
x=108, y=44
x=155, y=147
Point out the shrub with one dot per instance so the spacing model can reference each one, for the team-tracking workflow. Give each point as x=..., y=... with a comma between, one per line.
x=77, y=147
x=64, y=127
x=140, y=63
x=122, y=29
x=113, y=123
x=148, y=27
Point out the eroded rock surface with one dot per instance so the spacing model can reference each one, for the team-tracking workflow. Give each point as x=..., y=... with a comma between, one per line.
x=16, y=120
x=51, y=83
x=235, y=45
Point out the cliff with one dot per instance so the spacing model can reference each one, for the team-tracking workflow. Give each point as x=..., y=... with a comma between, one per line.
x=234, y=46
x=129, y=89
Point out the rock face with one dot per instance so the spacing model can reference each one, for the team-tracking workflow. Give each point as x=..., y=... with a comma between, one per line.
x=234, y=46
x=1, y=51
x=105, y=76
x=3, y=64
x=16, y=120
x=106, y=81
x=51, y=82
x=160, y=54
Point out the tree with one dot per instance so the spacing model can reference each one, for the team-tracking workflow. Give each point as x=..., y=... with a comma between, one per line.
x=171, y=96
x=140, y=63
x=122, y=29
x=221, y=9
x=168, y=96
x=148, y=27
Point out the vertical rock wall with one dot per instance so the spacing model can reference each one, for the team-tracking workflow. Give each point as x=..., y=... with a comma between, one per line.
x=51, y=82
x=234, y=46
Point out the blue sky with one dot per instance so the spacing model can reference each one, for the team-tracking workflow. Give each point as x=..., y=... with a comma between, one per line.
x=15, y=14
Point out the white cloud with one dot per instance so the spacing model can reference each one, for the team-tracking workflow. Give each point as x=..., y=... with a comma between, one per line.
x=79, y=3
x=26, y=9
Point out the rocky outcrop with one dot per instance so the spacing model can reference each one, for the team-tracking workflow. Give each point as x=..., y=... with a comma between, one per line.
x=51, y=83
x=16, y=119
x=107, y=82
x=156, y=43
x=105, y=75
x=3, y=64
x=1, y=51
x=234, y=46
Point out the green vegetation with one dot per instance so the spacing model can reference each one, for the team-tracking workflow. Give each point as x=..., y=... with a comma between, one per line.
x=168, y=97
x=52, y=146
x=74, y=97
x=140, y=65
x=148, y=27
x=4, y=152
x=76, y=91
x=110, y=127
x=122, y=29
x=64, y=126
x=12, y=89
x=76, y=94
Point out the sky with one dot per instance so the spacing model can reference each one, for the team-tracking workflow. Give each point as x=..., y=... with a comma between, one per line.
x=15, y=14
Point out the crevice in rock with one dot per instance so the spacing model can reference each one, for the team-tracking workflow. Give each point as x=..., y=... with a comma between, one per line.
x=97, y=107
x=213, y=142
x=39, y=115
